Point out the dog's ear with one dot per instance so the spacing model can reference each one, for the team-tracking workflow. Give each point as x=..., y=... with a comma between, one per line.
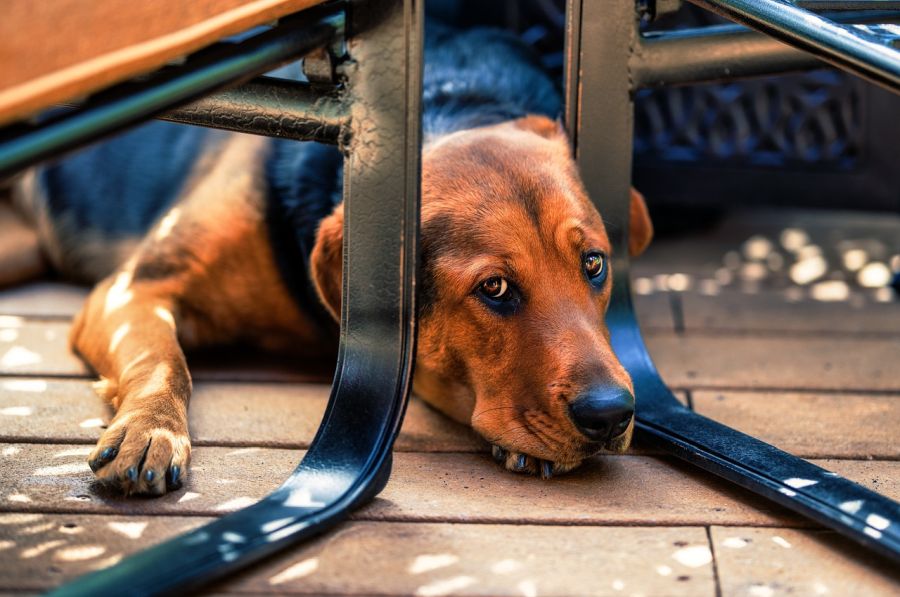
x=640, y=231
x=326, y=261
x=543, y=126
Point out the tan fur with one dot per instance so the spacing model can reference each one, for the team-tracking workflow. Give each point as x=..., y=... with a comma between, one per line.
x=204, y=275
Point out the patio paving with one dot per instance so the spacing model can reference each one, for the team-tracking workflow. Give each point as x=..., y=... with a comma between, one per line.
x=810, y=367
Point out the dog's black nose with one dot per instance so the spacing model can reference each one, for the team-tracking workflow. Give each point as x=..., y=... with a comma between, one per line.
x=602, y=412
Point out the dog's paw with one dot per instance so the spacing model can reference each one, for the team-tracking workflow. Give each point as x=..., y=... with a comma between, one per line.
x=143, y=453
x=523, y=463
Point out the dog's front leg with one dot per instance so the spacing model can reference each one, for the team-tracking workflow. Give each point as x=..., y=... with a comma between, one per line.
x=126, y=331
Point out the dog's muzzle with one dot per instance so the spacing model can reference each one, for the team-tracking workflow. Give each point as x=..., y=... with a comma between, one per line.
x=602, y=413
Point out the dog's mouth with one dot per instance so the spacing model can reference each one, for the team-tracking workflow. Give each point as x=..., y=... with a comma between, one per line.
x=520, y=462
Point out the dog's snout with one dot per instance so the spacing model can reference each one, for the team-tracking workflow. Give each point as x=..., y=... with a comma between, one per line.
x=602, y=412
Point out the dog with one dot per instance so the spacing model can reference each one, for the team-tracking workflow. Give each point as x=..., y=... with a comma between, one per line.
x=196, y=237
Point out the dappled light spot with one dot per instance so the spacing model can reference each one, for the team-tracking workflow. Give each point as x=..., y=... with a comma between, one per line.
x=19, y=498
x=724, y=276
x=759, y=590
x=793, y=239
x=19, y=356
x=618, y=585
x=165, y=315
x=106, y=562
x=877, y=521
x=295, y=571
x=50, y=335
x=854, y=259
x=11, y=321
x=735, y=543
x=91, y=423
x=79, y=553
x=36, y=529
x=830, y=291
x=188, y=496
x=874, y=275
x=757, y=248
x=16, y=411
x=235, y=504
x=679, y=282
x=808, y=270
x=798, y=483
x=302, y=498
x=777, y=540
x=11, y=451
x=664, y=570
x=274, y=525
x=242, y=451
x=6, y=544
x=693, y=556
x=25, y=385
x=70, y=452
x=883, y=295
x=506, y=566
x=874, y=533
x=118, y=336
x=753, y=272
x=643, y=286
x=132, y=530
x=9, y=335
x=709, y=287
x=445, y=587
x=167, y=223
x=428, y=562
x=75, y=468
x=233, y=537
x=118, y=294
x=528, y=588
x=158, y=381
x=16, y=518
x=41, y=548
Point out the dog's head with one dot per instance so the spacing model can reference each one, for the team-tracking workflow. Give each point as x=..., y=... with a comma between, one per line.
x=516, y=284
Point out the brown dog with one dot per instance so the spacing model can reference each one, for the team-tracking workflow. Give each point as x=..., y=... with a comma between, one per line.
x=515, y=280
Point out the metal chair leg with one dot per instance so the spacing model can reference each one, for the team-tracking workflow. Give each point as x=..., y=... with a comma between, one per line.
x=349, y=460
x=599, y=115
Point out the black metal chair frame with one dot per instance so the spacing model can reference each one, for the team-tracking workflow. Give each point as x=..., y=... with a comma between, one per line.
x=374, y=116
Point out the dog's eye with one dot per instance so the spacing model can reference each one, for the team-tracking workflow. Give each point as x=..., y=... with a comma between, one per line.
x=494, y=288
x=594, y=265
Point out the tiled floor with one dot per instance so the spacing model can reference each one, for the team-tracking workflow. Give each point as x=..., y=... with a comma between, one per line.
x=731, y=330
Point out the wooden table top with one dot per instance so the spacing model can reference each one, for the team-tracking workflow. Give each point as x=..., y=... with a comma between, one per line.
x=56, y=50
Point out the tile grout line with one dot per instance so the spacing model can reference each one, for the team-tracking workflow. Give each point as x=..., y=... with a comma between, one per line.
x=715, y=562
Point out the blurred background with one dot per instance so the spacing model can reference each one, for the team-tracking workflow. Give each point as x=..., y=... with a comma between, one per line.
x=788, y=183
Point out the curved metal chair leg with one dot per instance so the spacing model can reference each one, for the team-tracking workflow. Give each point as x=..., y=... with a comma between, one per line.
x=600, y=117
x=349, y=460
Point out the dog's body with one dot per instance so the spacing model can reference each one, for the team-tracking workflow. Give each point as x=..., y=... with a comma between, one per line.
x=199, y=237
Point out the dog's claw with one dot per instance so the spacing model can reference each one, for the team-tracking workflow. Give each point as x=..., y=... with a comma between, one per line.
x=149, y=476
x=173, y=480
x=132, y=474
x=521, y=462
x=103, y=459
x=498, y=453
x=546, y=469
